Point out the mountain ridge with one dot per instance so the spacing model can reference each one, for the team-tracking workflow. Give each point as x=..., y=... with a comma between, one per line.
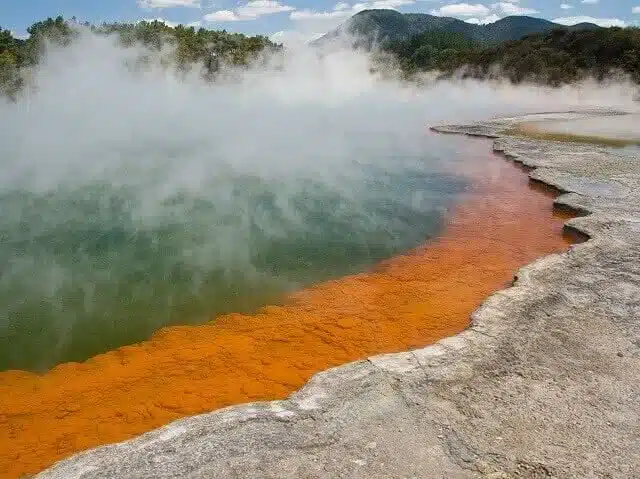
x=375, y=26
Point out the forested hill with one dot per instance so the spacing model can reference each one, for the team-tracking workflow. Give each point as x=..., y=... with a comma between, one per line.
x=190, y=45
x=553, y=58
x=381, y=26
x=561, y=56
x=551, y=54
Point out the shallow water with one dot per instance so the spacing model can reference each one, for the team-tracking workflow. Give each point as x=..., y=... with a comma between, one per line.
x=625, y=127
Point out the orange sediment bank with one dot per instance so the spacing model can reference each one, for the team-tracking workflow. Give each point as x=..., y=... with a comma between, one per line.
x=409, y=301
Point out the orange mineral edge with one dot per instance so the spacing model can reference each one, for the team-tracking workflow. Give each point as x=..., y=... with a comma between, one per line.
x=409, y=301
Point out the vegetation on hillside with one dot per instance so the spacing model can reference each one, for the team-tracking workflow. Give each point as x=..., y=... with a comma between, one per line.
x=520, y=48
x=12, y=56
x=191, y=45
x=553, y=58
x=560, y=56
x=188, y=46
x=432, y=50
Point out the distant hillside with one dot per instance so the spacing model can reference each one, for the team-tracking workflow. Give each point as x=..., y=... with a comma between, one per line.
x=556, y=57
x=381, y=26
x=193, y=48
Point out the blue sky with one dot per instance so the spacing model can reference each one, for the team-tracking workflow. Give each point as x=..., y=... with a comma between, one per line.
x=305, y=18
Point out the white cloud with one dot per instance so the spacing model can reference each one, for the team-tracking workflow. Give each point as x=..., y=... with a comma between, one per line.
x=258, y=8
x=565, y=6
x=392, y=4
x=249, y=11
x=461, y=10
x=635, y=9
x=221, y=16
x=168, y=23
x=311, y=21
x=509, y=8
x=481, y=14
x=603, y=22
x=590, y=2
x=343, y=10
x=168, y=3
x=19, y=36
x=307, y=14
x=312, y=24
x=294, y=38
x=484, y=20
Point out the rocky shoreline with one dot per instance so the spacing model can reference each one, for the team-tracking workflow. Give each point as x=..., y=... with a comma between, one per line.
x=545, y=383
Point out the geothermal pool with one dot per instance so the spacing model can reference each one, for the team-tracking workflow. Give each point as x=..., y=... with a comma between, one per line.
x=399, y=260
x=94, y=264
x=168, y=248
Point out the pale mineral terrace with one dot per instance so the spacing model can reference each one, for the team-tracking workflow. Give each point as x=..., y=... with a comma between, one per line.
x=545, y=383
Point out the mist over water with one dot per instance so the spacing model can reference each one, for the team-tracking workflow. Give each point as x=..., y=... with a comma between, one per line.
x=132, y=201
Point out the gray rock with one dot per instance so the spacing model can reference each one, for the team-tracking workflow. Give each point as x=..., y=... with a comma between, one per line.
x=545, y=383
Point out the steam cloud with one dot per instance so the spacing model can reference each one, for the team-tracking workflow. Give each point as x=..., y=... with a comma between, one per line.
x=143, y=194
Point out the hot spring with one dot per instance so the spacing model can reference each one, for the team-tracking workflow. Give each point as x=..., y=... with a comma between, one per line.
x=159, y=237
x=312, y=196
x=131, y=202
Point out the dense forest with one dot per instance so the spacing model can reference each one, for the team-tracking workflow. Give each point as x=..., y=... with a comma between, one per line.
x=562, y=56
x=439, y=50
x=553, y=58
x=190, y=46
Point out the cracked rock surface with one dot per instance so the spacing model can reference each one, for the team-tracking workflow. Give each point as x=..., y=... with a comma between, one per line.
x=545, y=383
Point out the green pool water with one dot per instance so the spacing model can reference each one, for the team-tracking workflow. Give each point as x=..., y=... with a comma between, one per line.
x=89, y=266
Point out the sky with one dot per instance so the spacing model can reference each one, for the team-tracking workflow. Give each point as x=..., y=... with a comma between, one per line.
x=291, y=20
